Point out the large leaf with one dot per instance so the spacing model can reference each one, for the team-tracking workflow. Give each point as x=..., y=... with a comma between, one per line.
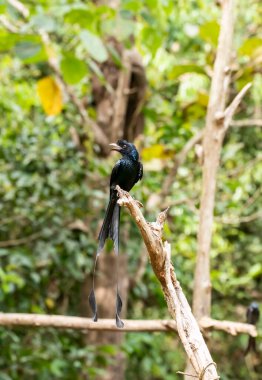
x=119, y=28
x=155, y=151
x=209, y=32
x=94, y=46
x=80, y=16
x=26, y=49
x=44, y=22
x=50, y=96
x=179, y=70
x=73, y=69
x=250, y=46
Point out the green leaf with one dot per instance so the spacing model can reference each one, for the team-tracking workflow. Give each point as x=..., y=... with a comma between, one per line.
x=73, y=69
x=250, y=46
x=29, y=48
x=179, y=70
x=209, y=32
x=26, y=49
x=94, y=46
x=82, y=17
x=132, y=5
x=119, y=28
x=44, y=22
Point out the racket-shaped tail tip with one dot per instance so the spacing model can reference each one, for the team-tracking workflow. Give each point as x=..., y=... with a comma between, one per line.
x=119, y=322
x=92, y=303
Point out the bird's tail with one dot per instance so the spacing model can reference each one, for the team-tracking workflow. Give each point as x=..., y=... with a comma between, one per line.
x=110, y=228
x=110, y=225
x=251, y=347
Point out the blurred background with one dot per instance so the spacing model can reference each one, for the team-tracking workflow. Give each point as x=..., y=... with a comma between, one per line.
x=63, y=67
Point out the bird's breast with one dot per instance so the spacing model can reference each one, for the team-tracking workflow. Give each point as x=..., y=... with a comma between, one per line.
x=128, y=173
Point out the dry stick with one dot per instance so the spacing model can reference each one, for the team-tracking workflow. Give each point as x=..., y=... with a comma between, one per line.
x=178, y=161
x=79, y=323
x=217, y=122
x=232, y=328
x=246, y=123
x=178, y=306
x=21, y=8
x=121, y=96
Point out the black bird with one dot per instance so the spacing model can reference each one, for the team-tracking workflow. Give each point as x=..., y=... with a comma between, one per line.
x=126, y=172
x=252, y=318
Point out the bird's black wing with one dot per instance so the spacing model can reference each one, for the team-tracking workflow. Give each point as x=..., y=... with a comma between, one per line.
x=140, y=172
x=114, y=176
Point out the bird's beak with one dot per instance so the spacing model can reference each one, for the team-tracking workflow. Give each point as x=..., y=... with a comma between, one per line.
x=116, y=147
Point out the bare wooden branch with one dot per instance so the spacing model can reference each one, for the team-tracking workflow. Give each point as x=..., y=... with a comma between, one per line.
x=246, y=123
x=212, y=143
x=79, y=323
x=232, y=328
x=21, y=8
x=178, y=306
x=121, y=96
x=231, y=109
x=7, y=24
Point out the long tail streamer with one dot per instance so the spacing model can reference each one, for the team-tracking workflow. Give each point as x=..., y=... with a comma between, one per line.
x=110, y=229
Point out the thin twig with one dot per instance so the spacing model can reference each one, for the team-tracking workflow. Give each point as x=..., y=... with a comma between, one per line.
x=239, y=219
x=179, y=159
x=20, y=241
x=231, y=109
x=246, y=123
x=21, y=8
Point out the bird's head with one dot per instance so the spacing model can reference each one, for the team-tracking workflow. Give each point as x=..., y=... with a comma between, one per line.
x=126, y=149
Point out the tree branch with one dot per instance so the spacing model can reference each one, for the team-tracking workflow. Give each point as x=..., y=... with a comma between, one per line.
x=178, y=161
x=239, y=219
x=21, y=8
x=213, y=138
x=232, y=328
x=121, y=96
x=79, y=323
x=20, y=241
x=178, y=306
x=231, y=109
x=246, y=123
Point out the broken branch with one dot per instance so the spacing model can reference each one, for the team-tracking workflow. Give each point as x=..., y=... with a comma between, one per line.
x=178, y=306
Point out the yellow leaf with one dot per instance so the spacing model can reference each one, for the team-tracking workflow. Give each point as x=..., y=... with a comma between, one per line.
x=50, y=96
x=155, y=151
x=49, y=303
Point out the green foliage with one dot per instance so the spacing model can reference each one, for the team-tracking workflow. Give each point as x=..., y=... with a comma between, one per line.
x=47, y=183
